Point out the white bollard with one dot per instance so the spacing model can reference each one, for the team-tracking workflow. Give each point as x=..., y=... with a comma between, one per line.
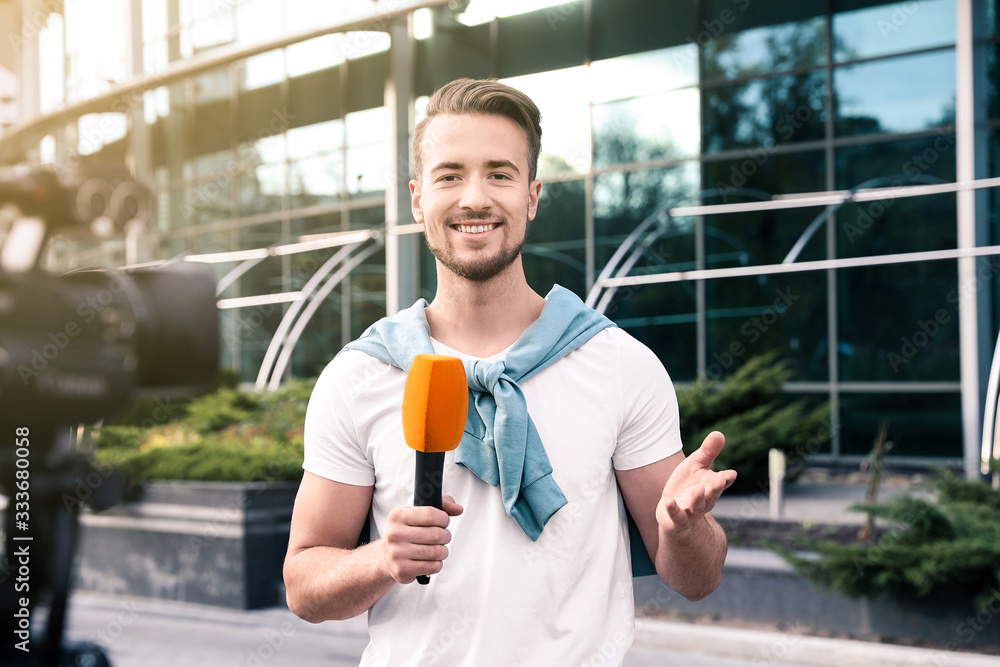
x=776, y=475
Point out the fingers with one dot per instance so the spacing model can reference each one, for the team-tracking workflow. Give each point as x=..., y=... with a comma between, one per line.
x=415, y=540
x=710, y=449
x=449, y=505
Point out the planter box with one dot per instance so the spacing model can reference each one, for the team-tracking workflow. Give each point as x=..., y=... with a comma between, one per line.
x=758, y=585
x=216, y=543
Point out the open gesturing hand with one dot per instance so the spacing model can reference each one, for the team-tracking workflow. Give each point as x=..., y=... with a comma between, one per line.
x=693, y=488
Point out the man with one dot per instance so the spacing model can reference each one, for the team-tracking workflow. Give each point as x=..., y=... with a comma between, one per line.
x=535, y=572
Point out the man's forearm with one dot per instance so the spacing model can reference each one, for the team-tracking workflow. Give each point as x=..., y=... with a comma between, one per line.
x=691, y=562
x=326, y=583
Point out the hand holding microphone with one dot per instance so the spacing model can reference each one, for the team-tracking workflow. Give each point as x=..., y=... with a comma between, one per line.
x=435, y=408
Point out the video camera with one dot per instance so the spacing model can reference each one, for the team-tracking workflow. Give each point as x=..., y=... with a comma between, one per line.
x=75, y=349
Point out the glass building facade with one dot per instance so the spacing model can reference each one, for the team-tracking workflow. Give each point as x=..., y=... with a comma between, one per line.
x=262, y=123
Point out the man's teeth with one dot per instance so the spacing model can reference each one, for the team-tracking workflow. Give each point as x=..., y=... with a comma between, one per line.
x=475, y=229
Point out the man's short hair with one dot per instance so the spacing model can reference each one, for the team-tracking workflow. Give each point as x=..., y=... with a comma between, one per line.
x=483, y=96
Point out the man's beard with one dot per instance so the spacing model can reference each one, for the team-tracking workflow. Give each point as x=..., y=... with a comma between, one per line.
x=479, y=271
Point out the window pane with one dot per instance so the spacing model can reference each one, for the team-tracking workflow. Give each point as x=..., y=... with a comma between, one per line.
x=562, y=98
x=316, y=138
x=919, y=424
x=763, y=50
x=764, y=112
x=623, y=200
x=899, y=323
x=647, y=128
x=747, y=317
x=993, y=80
x=314, y=54
x=664, y=318
x=768, y=174
x=888, y=96
x=556, y=249
x=893, y=28
x=644, y=73
x=260, y=189
x=209, y=201
x=926, y=156
x=316, y=180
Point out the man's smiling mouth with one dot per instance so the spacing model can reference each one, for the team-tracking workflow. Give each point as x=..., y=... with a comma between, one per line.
x=475, y=229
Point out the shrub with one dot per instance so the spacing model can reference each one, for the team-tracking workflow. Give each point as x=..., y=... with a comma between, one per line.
x=227, y=435
x=950, y=545
x=748, y=409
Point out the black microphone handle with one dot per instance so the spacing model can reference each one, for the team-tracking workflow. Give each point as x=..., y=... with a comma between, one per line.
x=427, y=486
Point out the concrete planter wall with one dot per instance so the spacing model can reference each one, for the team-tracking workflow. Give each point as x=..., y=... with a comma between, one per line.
x=217, y=543
x=758, y=585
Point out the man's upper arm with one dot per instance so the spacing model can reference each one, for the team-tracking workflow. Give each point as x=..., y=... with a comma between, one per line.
x=328, y=513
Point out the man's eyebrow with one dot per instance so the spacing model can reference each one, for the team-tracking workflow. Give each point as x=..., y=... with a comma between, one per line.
x=502, y=164
x=447, y=165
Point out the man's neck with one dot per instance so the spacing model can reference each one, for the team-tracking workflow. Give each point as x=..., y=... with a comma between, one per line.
x=482, y=319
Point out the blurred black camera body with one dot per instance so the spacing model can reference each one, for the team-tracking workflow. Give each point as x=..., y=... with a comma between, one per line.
x=75, y=349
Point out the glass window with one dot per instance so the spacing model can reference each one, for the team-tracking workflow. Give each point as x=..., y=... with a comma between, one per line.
x=887, y=96
x=316, y=138
x=316, y=180
x=305, y=14
x=644, y=73
x=656, y=127
x=314, y=54
x=764, y=112
x=213, y=30
x=97, y=130
x=893, y=28
x=749, y=316
x=899, y=323
x=919, y=424
x=315, y=224
x=260, y=189
x=256, y=19
x=358, y=44
x=368, y=164
x=767, y=174
x=623, y=200
x=262, y=70
x=256, y=327
x=562, y=98
x=208, y=201
x=664, y=318
x=992, y=79
x=765, y=50
x=366, y=218
x=556, y=249
x=909, y=160
x=367, y=295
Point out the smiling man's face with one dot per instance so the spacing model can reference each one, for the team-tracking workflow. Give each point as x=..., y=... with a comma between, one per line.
x=474, y=197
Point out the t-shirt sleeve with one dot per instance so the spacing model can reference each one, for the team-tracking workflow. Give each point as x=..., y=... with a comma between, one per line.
x=650, y=429
x=332, y=446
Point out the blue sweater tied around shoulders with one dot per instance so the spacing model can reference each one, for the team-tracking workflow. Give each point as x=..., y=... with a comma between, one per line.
x=500, y=444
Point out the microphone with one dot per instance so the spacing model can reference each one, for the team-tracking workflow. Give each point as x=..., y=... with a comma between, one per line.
x=435, y=407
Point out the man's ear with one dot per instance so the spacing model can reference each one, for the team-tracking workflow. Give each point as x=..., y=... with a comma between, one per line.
x=534, y=192
x=415, y=206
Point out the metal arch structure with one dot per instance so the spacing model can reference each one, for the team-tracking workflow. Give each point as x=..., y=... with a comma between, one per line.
x=307, y=302
x=632, y=243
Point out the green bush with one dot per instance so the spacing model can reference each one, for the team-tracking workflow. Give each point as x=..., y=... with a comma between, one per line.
x=950, y=545
x=748, y=410
x=227, y=435
x=225, y=407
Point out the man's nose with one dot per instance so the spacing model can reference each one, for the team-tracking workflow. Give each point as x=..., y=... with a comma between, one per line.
x=475, y=195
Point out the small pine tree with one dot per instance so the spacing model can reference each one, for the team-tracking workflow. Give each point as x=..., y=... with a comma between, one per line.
x=951, y=545
x=749, y=411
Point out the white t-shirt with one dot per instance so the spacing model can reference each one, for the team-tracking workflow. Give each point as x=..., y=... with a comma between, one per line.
x=502, y=599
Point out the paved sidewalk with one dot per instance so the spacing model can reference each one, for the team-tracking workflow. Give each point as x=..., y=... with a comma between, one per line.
x=138, y=632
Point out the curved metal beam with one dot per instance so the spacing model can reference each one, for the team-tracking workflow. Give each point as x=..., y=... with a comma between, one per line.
x=314, y=303
x=288, y=319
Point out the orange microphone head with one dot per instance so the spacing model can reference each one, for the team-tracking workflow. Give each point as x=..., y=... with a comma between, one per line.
x=435, y=403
